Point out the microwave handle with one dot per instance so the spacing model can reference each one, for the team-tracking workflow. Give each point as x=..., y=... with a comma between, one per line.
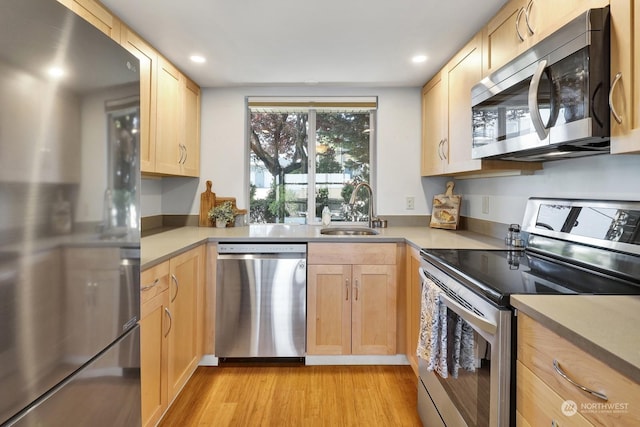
x=536, y=118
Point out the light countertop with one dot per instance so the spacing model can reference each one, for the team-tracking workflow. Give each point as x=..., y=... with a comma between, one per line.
x=605, y=326
x=160, y=247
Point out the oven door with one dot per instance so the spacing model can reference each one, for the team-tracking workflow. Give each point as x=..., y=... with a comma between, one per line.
x=473, y=398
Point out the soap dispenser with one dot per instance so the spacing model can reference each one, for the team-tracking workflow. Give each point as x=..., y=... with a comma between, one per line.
x=326, y=216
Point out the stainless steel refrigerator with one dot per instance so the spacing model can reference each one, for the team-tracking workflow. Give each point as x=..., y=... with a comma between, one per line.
x=69, y=221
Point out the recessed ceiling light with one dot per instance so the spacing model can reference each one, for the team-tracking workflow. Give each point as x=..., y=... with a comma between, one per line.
x=419, y=59
x=198, y=59
x=55, y=72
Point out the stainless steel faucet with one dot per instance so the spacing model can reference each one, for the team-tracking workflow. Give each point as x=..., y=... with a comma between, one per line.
x=372, y=216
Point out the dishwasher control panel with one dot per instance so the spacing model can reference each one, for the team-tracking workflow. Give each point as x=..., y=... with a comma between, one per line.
x=261, y=248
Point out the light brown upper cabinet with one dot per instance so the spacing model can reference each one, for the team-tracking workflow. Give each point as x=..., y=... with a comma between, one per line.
x=97, y=15
x=434, y=126
x=148, y=58
x=169, y=100
x=522, y=23
x=178, y=123
x=446, y=119
x=625, y=75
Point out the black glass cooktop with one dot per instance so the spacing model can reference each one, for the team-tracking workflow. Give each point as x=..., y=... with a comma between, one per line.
x=496, y=274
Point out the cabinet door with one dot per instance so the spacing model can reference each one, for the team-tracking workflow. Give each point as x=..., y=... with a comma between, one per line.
x=414, y=304
x=148, y=73
x=373, y=318
x=544, y=17
x=191, y=128
x=97, y=15
x=185, y=293
x=434, y=119
x=155, y=325
x=329, y=309
x=463, y=72
x=504, y=35
x=169, y=153
x=625, y=62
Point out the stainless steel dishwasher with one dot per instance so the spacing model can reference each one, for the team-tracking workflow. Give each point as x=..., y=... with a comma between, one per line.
x=261, y=300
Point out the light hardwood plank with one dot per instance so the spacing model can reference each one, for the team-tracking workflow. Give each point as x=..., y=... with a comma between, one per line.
x=297, y=396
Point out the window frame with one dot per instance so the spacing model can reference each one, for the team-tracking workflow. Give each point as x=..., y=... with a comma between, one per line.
x=313, y=106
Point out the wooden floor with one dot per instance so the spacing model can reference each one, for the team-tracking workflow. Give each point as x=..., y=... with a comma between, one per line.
x=297, y=396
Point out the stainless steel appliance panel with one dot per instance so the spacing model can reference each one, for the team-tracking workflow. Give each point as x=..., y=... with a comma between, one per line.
x=550, y=102
x=482, y=397
x=261, y=305
x=67, y=290
x=106, y=392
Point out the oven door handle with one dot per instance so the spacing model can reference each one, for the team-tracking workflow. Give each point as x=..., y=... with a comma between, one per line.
x=472, y=318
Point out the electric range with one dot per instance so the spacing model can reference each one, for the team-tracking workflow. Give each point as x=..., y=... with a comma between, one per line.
x=572, y=247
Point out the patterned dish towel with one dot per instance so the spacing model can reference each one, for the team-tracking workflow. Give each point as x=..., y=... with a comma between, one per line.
x=437, y=329
x=432, y=342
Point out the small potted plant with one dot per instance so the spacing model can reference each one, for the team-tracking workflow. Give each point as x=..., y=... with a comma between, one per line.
x=222, y=214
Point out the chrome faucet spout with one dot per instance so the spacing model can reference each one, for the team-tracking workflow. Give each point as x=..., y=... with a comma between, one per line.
x=372, y=216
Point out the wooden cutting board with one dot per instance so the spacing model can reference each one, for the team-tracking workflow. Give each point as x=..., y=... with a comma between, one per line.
x=207, y=201
x=446, y=209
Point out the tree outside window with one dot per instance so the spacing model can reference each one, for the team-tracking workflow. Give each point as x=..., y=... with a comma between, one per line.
x=285, y=186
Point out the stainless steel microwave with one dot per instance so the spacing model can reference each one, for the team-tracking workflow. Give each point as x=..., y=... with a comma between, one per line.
x=551, y=102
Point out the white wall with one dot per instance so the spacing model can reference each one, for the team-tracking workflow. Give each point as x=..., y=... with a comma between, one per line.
x=597, y=177
x=224, y=150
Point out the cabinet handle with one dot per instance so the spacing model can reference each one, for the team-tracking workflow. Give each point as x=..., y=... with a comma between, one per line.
x=440, y=149
x=526, y=17
x=168, y=313
x=186, y=154
x=616, y=116
x=148, y=287
x=175, y=280
x=346, y=286
x=520, y=12
x=357, y=285
x=444, y=153
x=556, y=366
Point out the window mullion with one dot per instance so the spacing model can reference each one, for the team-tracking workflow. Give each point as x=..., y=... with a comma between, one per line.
x=311, y=175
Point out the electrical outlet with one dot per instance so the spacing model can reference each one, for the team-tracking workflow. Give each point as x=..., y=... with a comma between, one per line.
x=410, y=203
x=485, y=204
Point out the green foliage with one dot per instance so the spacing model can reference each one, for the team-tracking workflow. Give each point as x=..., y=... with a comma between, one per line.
x=223, y=212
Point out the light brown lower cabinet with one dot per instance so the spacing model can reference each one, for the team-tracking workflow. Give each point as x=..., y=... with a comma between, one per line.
x=414, y=305
x=351, y=299
x=155, y=325
x=171, y=328
x=545, y=398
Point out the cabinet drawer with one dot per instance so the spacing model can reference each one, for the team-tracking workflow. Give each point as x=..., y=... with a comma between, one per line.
x=545, y=407
x=154, y=281
x=351, y=253
x=537, y=349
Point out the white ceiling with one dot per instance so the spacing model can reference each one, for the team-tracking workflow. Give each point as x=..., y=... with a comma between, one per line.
x=294, y=42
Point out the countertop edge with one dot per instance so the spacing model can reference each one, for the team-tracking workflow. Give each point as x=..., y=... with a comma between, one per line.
x=615, y=361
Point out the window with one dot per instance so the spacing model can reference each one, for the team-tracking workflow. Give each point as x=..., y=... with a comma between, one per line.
x=308, y=154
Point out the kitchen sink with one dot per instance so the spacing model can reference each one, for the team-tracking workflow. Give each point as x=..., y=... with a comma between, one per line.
x=348, y=231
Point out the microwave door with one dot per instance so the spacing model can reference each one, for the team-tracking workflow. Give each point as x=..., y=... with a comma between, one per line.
x=502, y=123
